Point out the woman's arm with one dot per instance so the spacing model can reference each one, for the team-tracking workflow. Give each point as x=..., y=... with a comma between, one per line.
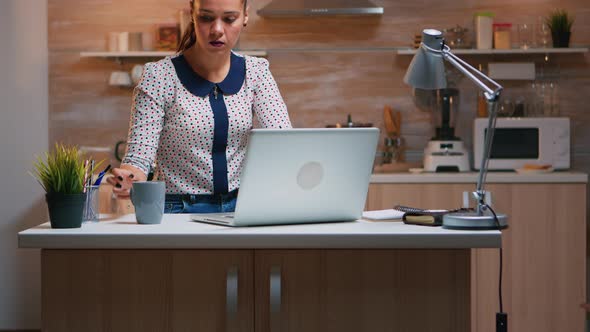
x=269, y=107
x=145, y=126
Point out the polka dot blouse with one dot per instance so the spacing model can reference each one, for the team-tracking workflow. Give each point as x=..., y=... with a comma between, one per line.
x=173, y=122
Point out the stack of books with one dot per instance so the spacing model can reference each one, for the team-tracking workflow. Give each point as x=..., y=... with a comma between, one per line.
x=410, y=215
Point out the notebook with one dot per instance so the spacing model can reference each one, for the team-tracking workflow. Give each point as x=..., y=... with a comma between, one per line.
x=295, y=176
x=423, y=217
x=383, y=215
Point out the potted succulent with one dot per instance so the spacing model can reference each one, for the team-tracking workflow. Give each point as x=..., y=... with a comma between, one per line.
x=560, y=24
x=62, y=175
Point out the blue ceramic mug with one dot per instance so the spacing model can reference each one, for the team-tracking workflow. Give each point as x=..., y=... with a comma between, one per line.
x=148, y=199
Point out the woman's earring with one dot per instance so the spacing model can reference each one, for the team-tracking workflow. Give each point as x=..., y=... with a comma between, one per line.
x=245, y=24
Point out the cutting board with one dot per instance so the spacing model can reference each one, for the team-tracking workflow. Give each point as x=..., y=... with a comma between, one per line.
x=396, y=167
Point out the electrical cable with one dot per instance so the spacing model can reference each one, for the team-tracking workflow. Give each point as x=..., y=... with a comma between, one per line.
x=501, y=263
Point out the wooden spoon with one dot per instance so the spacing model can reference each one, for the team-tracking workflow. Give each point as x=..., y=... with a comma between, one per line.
x=398, y=121
x=390, y=125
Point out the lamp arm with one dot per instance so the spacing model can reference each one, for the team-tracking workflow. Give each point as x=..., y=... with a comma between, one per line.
x=492, y=97
x=479, y=193
x=470, y=72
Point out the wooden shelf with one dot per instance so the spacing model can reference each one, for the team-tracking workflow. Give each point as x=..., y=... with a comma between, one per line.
x=410, y=51
x=153, y=54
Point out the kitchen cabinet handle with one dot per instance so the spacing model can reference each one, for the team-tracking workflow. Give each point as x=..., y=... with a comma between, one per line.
x=275, y=290
x=231, y=292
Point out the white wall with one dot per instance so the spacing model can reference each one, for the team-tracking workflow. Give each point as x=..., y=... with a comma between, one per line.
x=23, y=134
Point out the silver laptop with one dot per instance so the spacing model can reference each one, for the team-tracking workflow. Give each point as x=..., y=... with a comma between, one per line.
x=293, y=176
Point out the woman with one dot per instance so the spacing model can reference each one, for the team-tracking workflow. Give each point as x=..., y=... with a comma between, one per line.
x=192, y=113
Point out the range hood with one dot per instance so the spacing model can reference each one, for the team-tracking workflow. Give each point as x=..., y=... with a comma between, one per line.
x=279, y=8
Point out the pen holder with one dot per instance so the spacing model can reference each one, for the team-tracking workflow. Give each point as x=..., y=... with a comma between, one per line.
x=91, y=207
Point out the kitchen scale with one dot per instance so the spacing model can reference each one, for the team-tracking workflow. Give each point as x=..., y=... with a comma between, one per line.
x=445, y=152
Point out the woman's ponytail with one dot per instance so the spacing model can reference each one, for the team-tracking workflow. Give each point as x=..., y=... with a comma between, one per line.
x=188, y=39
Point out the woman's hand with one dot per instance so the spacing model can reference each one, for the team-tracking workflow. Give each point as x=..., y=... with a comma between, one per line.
x=123, y=178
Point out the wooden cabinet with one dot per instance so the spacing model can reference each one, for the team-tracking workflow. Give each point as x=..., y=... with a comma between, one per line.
x=544, y=277
x=147, y=290
x=213, y=290
x=256, y=290
x=362, y=290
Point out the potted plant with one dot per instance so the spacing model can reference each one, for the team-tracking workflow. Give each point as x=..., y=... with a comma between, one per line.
x=560, y=24
x=62, y=175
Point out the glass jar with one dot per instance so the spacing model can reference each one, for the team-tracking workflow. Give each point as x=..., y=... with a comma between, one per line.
x=502, y=32
x=394, y=150
x=455, y=37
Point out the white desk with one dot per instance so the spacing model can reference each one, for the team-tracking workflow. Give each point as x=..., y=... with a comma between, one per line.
x=177, y=231
x=180, y=275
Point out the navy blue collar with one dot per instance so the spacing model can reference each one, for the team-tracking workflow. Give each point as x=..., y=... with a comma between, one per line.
x=201, y=87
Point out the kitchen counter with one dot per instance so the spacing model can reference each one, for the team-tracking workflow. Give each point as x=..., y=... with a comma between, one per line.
x=178, y=231
x=546, y=239
x=187, y=276
x=471, y=177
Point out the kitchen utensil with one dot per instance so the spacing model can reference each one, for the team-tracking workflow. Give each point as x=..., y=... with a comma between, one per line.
x=525, y=35
x=445, y=152
x=390, y=123
x=398, y=122
x=396, y=167
x=395, y=150
x=455, y=36
x=148, y=199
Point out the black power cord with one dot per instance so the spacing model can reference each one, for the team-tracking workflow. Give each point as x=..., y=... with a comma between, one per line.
x=501, y=317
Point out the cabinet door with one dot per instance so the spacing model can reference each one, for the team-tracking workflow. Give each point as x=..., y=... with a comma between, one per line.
x=362, y=290
x=544, y=276
x=213, y=291
x=147, y=290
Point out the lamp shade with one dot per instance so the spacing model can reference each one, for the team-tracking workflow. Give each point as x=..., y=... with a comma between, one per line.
x=427, y=69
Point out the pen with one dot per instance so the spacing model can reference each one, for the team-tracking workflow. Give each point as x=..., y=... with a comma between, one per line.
x=91, y=172
x=101, y=175
x=85, y=175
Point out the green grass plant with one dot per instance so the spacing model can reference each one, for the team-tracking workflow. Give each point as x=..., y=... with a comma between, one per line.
x=61, y=171
x=560, y=21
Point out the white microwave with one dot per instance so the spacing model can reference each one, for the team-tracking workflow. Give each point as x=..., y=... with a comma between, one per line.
x=519, y=141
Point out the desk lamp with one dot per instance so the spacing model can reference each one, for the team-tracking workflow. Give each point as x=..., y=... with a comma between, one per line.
x=427, y=71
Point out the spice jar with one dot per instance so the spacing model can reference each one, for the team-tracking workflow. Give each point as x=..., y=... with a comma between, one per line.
x=502, y=35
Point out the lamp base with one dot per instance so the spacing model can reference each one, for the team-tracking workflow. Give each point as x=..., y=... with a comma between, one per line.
x=473, y=221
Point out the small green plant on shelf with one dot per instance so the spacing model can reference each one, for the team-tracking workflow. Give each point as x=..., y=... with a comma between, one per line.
x=560, y=23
